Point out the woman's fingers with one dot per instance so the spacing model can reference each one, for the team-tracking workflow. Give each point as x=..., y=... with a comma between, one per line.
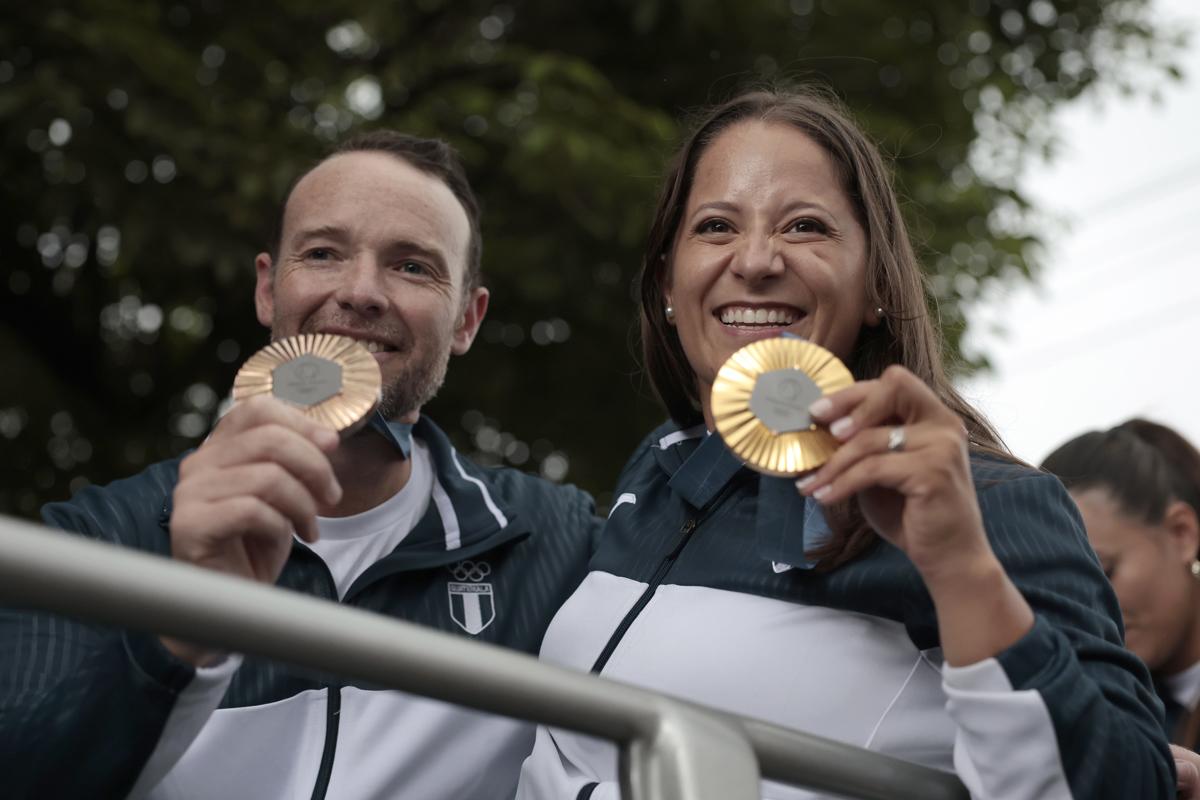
x=842, y=475
x=930, y=454
x=896, y=396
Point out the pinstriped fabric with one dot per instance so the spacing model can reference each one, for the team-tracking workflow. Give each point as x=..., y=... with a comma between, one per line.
x=1099, y=696
x=81, y=694
x=1037, y=526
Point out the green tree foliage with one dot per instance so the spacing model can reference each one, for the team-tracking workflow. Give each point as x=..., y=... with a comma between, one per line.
x=145, y=147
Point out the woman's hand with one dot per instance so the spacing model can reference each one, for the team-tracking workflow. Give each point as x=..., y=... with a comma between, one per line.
x=904, y=454
x=1187, y=768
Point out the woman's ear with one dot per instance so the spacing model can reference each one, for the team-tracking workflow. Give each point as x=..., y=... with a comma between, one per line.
x=1183, y=527
x=874, y=314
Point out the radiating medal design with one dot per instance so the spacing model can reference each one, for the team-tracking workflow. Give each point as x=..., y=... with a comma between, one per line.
x=332, y=379
x=760, y=401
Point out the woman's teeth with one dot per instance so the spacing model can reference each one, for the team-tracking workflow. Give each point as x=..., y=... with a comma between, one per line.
x=757, y=316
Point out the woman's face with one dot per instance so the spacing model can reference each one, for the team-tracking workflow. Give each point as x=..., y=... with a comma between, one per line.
x=768, y=242
x=1149, y=569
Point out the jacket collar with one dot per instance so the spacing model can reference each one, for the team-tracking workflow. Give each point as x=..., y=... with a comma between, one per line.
x=464, y=513
x=465, y=518
x=787, y=524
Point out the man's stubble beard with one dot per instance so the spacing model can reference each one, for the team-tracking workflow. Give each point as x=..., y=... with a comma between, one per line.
x=416, y=384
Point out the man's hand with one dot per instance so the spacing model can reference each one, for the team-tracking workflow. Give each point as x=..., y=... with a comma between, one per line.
x=262, y=473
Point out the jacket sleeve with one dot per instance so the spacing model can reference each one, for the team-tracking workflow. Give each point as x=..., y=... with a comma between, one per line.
x=1067, y=711
x=83, y=707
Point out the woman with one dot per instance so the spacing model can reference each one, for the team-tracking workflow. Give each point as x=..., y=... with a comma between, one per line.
x=1138, y=489
x=889, y=620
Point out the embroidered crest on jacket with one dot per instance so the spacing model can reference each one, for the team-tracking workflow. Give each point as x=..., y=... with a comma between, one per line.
x=472, y=605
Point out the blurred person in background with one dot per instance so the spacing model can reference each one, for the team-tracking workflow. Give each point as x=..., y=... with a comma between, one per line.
x=922, y=594
x=1137, y=486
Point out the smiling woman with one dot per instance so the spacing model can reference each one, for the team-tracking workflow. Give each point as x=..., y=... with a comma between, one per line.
x=921, y=593
x=768, y=242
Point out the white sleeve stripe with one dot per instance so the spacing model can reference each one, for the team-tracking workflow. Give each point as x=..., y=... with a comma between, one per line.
x=681, y=436
x=626, y=497
x=194, y=705
x=449, y=517
x=487, y=498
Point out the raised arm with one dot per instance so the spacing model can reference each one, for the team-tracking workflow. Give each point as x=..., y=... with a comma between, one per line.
x=1047, y=701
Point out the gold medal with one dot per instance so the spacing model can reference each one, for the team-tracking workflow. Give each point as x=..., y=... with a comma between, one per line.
x=760, y=402
x=332, y=379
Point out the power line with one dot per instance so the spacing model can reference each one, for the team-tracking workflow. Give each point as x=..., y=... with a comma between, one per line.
x=1130, y=328
x=1163, y=183
x=1097, y=243
x=1089, y=284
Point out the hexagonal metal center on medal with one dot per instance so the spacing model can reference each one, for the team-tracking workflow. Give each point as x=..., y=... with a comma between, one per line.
x=781, y=398
x=306, y=380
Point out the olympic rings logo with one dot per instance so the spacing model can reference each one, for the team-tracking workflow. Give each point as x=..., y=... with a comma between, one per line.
x=470, y=571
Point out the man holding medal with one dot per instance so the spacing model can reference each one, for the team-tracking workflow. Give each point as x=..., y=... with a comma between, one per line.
x=378, y=243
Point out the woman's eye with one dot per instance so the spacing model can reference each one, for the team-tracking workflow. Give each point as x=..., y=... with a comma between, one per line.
x=808, y=225
x=714, y=226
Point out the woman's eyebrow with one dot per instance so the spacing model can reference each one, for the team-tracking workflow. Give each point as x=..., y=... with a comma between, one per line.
x=716, y=205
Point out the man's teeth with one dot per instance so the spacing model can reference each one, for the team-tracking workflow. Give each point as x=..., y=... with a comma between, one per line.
x=757, y=316
x=372, y=347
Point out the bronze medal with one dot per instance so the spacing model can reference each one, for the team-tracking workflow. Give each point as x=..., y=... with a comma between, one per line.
x=760, y=401
x=332, y=379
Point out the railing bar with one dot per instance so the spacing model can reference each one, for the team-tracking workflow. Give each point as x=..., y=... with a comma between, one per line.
x=802, y=759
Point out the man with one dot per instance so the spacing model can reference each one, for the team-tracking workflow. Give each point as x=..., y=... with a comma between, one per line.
x=379, y=242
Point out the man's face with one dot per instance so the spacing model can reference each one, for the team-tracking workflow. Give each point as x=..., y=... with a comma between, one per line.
x=375, y=249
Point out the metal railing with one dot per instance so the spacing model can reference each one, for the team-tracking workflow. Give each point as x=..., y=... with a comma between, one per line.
x=670, y=749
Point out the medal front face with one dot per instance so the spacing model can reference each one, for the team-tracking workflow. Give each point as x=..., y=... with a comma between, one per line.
x=760, y=401
x=331, y=379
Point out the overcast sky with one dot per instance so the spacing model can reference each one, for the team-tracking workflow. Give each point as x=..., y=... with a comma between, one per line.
x=1112, y=330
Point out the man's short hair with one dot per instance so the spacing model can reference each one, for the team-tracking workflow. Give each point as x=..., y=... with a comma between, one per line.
x=431, y=156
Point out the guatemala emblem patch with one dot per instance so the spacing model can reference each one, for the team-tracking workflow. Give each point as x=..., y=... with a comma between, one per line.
x=472, y=606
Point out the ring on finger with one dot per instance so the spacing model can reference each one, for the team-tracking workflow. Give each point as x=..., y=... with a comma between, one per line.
x=896, y=439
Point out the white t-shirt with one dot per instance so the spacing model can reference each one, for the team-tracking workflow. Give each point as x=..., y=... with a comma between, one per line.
x=349, y=545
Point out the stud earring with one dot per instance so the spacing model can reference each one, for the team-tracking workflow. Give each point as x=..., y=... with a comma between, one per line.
x=879, y=312
x=670, y=312
x=1196, y=568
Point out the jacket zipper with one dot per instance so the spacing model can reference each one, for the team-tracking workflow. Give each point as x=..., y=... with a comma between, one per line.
x=333, y=710
x=660, y=573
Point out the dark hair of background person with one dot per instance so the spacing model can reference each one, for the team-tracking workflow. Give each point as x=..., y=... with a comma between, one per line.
x=431, y=156
x=894, y=282
x=1144, y=466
